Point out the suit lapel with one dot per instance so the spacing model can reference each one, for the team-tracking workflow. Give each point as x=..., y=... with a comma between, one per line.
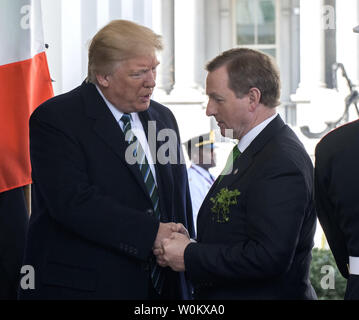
x=108, y=129
x=240, y=166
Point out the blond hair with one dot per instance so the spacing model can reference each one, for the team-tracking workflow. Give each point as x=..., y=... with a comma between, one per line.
x=117, y=41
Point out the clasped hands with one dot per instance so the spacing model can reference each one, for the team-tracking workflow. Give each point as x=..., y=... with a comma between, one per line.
x=170, y=244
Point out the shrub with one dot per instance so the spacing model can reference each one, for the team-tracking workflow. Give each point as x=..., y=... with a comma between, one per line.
x=323, y=264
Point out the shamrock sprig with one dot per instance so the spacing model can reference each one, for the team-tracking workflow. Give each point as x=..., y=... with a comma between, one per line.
x=221, y=203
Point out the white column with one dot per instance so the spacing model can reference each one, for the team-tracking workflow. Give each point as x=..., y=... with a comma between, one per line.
x=138, y=11
x=103, y=13
x=185, y=53
x=127, y=9
x=212, y=23
x=316, y=104
x=89, y=27
x=115, y=9
x=200, y=46
x=157, y=27
x=71, y=44
x=226, y=25
x=312, y=74
x=156, y=19
x=147, y=14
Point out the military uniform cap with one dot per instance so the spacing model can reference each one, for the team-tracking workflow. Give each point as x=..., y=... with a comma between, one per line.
x=205, y=140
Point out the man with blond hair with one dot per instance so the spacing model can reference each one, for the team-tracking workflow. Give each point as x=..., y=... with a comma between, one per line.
x=97, y=214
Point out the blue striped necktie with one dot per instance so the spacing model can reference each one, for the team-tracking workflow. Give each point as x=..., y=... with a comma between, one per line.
x=157, y=274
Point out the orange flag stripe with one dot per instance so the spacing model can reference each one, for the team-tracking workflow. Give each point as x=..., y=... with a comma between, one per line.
x=24, y=86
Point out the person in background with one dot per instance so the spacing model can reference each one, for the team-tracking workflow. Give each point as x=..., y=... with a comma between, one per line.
x=336, y=198
x=201, y=152
x=102, y=201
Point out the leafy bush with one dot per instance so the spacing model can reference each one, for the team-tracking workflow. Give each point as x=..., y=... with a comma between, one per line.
x=321, y=271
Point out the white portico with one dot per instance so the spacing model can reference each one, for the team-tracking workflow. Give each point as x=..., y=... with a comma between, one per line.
x=306, y=38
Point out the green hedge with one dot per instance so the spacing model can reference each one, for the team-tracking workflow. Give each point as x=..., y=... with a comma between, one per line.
x=318, y=274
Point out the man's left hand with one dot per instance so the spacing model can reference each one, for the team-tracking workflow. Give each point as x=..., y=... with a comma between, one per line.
x=173, y=251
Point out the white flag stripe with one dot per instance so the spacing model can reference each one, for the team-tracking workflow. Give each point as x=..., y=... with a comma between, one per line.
x=20, y=30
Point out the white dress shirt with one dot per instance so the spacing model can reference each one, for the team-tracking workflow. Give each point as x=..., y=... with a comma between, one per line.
x=247, y=139
x=137, y=129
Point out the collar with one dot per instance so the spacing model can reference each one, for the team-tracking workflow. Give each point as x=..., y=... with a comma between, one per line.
x=200, y=169
x=203, y=172
x=247, y=139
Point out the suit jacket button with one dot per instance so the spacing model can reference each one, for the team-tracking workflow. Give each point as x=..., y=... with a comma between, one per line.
x=149, y=212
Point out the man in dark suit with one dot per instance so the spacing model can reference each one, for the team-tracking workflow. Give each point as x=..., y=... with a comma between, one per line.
x=257, y=223
x=104, y=193
x=13, y=225
x=336, y=198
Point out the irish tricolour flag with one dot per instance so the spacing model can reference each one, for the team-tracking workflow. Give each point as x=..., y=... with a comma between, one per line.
x=24, y=84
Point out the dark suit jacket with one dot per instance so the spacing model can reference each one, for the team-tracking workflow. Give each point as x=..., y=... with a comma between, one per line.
x=337, y=198
x=13, y=225
x=264, y=250
x=91, y=231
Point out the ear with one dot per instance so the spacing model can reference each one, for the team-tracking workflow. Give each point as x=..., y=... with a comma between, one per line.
x=254, y=95
x=102, y=80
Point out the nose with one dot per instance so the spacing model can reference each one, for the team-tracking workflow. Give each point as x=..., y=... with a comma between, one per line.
x=150, y=80
x=210, y=111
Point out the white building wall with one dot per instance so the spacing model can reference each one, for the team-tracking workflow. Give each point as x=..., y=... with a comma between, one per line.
x=70, y=24
x=317, y=104
x=347, y=14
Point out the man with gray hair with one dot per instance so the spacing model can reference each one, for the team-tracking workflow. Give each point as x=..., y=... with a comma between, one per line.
x=255, y=228
x=97, y=215
x=336, y=197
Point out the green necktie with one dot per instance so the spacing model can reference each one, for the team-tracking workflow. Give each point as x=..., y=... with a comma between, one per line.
x=157, y=275
x=235, y=153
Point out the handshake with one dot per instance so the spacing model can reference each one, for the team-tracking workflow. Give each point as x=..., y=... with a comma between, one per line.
x=170, y=244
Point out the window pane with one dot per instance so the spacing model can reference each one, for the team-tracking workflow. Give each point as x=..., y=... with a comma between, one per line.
x=266, y=22
x=271, y=52
x=245, y=13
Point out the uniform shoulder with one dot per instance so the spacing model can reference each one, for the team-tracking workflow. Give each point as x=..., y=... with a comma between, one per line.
x=340, y=137
x=342, y=132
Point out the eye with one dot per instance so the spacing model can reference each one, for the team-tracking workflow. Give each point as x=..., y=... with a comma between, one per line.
x=136, y=74
x=215, y=98
x=218, y=100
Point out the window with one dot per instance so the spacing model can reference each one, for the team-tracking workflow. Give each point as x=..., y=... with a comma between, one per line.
x=256, y=25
